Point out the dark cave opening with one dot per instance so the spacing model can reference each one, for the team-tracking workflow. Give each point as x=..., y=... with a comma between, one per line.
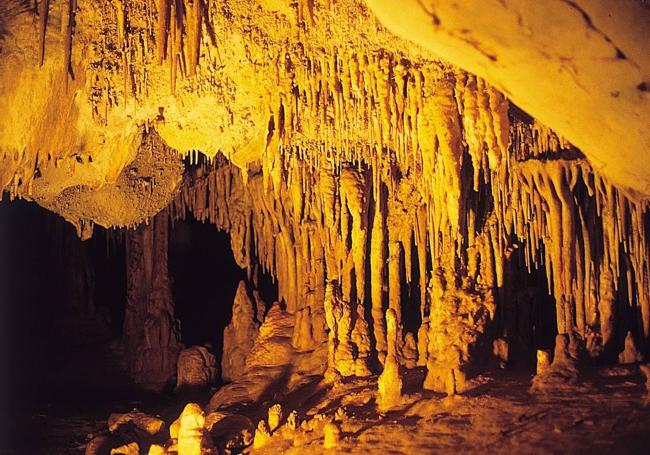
x=62, y=313
x=204, y=278
x=528, y=309
x=62, y=303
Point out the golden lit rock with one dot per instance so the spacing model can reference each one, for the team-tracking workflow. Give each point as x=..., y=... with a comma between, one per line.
x=262, y=435
x=331, y=435
x=196, y=369
x=152, y=425
x=344, y=209
x=274, y=417
x=190, y=430
x=239, y=335
x=389, y=382
x=155, y=449
x=127, y=449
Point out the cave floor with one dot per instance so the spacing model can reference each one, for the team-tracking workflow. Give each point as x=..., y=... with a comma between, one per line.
x=604, y=414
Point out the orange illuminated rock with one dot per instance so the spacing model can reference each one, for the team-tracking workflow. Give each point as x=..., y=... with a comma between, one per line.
x=190, y=436
x=331, y=435
x=399, y=203
x=240, y=335
x=390, y=382
x=155, y=449
x=568, y=57
x=127, y=449
x=151, y=425
x=196, y=369
x=274, y=417
x=630, y=354
x=262, y=435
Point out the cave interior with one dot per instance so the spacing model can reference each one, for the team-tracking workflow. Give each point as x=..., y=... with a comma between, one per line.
x=273, y=226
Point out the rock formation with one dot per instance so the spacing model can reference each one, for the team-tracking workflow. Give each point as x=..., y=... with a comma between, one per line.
x=275, y=417
x=197, y=370
x=150, y=333
x=239, y=335
x=408, y=210
x=630, y=354
x=188, y=431
x=591, y=53
x=390, y=383
x=262, y=435
x=331, y=435
x=151, y=425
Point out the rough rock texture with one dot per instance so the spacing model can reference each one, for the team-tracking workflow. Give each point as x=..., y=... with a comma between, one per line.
x=196, y=370
x=205, y=75
x=240, y=335
x=188, y=431
x=272, y=360
x=399, y=202
x=362, y=167
x=150, y=334
x=151, y=425
x=189, y=68
x=389, y=382
x=567, y=58
x=474, y=193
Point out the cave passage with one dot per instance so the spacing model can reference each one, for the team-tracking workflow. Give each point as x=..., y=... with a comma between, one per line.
x=62, y=306
x=204, y=278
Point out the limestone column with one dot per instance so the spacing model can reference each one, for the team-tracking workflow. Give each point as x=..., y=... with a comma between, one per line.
x=151, y=339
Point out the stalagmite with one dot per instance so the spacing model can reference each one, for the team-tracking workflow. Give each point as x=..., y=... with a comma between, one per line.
x=274, y=417
x=390, y=382
x=562, y=372
x=262, y=435
x=331, y=435
x=240, y=335
x=543, y=361
x=345, y=351
x=292, y=421
x=630, y=354
x=190, y=430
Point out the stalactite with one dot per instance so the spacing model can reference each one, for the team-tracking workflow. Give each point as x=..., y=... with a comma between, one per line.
x=195, y=13
x=162, y=29
x=43, y=13
x=440, y=166
x=69, y=30
x=377, y=263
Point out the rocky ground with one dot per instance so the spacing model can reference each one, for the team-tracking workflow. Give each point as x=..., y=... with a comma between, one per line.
x=604, y=414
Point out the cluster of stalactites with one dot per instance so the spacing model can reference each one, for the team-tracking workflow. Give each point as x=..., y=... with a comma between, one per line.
x=449, y=185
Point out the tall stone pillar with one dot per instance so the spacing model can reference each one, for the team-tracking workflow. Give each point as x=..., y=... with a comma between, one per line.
x=151, y=338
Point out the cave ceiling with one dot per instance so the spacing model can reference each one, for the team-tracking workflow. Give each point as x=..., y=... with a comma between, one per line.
x=88, y=86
